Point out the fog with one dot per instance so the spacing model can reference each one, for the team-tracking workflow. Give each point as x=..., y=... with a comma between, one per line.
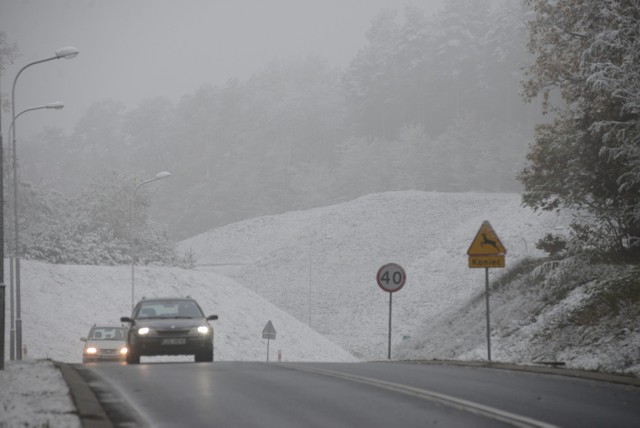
x=260, y=108
x=135, y=50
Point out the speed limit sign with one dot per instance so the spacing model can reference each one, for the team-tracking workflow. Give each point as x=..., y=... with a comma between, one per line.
x=391, y=277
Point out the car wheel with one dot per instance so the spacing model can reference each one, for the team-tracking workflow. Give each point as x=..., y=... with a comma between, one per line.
x=205, y=356
x=133, y=357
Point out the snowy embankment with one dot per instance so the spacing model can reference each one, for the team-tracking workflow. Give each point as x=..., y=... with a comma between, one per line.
x=320, y=265
x=60, y=303
x=34, y=394
x=312, y=273
x=574, y=312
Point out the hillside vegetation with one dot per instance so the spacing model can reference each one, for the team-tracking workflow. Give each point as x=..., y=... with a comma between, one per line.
x=578, y=311
x=319, y=266
x=313, y=274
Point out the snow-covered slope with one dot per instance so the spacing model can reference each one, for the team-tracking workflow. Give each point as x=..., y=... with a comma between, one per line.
x=576, y=311
x=320, y=265
x=317, y=268
x=59, y=304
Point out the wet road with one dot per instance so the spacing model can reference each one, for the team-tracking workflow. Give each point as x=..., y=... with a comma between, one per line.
x=374, y=394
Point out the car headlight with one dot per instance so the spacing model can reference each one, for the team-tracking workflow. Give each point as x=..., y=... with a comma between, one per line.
x=143, y=330
x=203, y=329
x=91, y=350
x=123, y=350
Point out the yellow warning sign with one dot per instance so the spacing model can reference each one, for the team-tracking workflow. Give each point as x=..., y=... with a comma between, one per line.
x=486, y=243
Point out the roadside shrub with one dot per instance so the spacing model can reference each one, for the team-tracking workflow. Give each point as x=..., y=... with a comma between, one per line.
x=554, y=245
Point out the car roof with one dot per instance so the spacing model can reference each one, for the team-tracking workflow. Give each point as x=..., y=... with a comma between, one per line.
x=155, y=299
x=107, y=326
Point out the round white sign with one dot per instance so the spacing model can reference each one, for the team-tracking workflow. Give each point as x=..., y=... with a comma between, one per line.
x=391, y=277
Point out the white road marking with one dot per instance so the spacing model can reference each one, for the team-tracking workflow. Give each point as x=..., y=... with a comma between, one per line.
x=465, y=405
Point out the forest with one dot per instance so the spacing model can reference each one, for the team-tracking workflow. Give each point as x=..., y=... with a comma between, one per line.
x=482, y=96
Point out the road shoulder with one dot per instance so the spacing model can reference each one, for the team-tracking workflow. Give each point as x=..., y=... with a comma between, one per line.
x=89, y=409
x=558, y=371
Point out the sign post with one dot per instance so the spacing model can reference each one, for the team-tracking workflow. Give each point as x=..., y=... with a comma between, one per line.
x=2, y=286
x=2, y=321
x=269, y=333
x=391, y=278
x=486, y=251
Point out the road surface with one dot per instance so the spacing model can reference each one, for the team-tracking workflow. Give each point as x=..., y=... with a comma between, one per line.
x=372, y=394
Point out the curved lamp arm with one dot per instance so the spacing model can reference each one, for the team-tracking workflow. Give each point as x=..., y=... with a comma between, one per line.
x=55, y=105
x=67, y=52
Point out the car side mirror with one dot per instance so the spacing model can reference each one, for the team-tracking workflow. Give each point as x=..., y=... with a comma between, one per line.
x=126, y=319
x=83, y=339
x=212, y=317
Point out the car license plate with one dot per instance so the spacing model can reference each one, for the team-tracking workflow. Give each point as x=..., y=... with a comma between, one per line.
x=174, y=341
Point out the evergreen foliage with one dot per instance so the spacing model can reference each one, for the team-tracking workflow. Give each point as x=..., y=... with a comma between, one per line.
x=93, y=228
x=587, y=52
x=428, y=103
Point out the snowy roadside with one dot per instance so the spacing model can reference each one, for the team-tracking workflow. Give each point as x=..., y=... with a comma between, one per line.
x=33, y=393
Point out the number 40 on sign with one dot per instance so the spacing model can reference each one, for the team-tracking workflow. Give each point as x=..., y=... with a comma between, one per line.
x=391, y=277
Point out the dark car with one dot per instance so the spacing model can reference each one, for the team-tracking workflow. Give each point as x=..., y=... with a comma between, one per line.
x=169, y=326
x=104, y=343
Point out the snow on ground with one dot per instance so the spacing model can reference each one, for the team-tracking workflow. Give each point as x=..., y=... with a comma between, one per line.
x=34, y=394
x=320, y=265
x=312, y=273
x=61, y=302
x=551, y=314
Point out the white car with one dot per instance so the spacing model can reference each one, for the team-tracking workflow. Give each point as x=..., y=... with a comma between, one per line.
x=105, y=343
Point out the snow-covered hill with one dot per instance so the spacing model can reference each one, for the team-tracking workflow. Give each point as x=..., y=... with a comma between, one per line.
x=320, y=265
x=317, y=268
x=577, y=311
x=60, y=303
x=312, y=273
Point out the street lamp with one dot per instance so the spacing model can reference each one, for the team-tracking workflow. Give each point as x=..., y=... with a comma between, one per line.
x=158, y=176
x=12, y=333
x=55, y=105
x=67, y=53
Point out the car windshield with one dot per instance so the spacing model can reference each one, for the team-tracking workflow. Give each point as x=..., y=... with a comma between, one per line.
x=106, y=333
x=169, y=309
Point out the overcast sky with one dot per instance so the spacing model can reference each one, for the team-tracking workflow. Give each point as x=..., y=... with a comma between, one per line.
x=132, y=50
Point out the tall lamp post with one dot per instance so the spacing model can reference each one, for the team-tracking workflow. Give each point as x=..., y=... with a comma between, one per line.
x=67, y=53
x=12, y=333
x=158, y=176
x=2, y=286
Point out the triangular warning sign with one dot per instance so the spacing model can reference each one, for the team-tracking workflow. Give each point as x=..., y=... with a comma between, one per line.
x=269, y=332
x=486, y=243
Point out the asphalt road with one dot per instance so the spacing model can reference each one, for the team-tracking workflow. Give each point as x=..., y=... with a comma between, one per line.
x=373, y=394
